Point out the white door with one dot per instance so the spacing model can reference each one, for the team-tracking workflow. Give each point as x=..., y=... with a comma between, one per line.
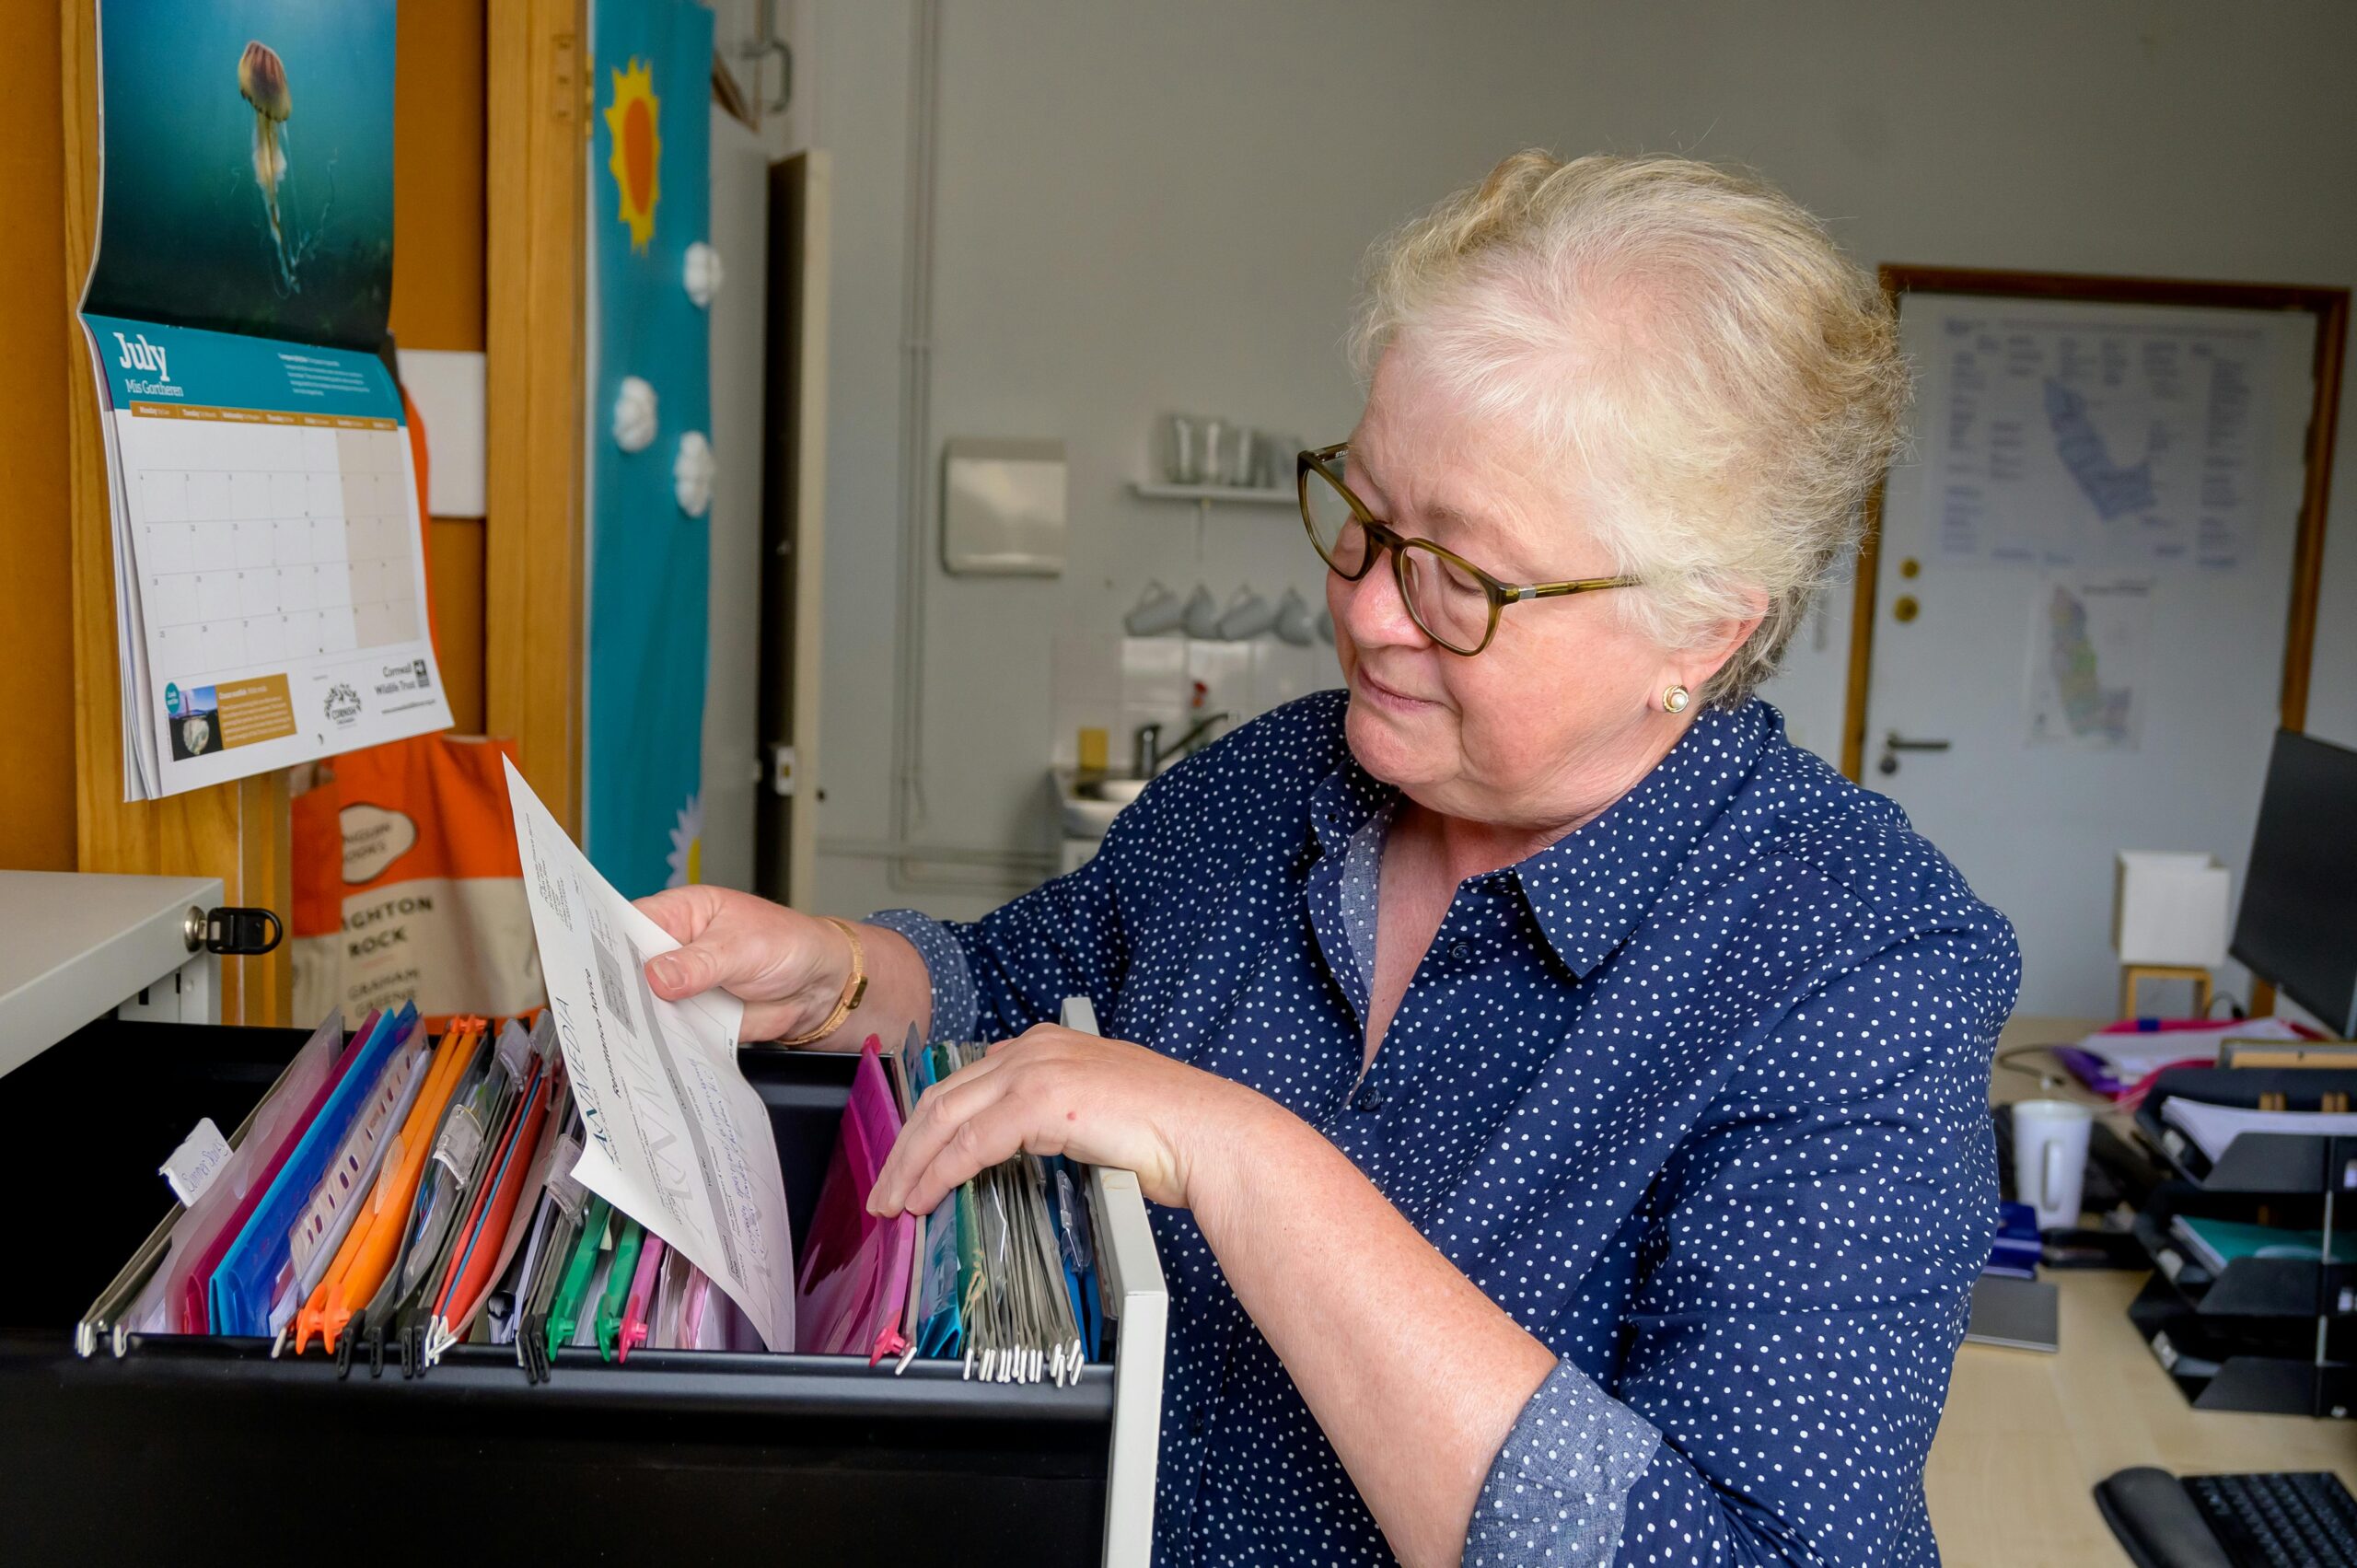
x=2079, y=603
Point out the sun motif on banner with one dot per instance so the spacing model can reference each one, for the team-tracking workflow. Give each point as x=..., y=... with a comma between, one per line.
x=638, y=149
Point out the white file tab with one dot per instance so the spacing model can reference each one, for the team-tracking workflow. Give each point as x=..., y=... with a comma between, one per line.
x=192, y=1167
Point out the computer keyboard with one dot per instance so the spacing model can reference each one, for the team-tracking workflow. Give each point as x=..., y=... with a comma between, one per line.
x=2280, y=1520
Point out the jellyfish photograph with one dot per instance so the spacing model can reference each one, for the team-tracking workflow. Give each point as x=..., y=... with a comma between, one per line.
x=216, y=213
x=261, y=81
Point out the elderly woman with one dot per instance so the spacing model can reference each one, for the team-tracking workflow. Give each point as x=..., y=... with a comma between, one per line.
x=1565, y=1099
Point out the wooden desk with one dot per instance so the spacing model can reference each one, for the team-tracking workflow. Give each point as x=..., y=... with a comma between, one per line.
x=2025, y=1435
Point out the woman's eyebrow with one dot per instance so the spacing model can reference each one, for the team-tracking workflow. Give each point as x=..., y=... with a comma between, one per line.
x=1483, y=524
x=1438, y=515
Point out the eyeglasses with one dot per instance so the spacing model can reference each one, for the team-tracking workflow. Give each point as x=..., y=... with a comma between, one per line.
x=1453, y=601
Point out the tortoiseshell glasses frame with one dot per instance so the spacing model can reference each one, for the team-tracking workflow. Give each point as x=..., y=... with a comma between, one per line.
x=1446, y=595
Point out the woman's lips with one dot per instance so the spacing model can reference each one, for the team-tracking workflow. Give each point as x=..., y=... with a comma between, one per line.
x=1389, y=697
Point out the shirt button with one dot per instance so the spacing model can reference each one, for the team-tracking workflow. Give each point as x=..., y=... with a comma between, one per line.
x=1460, y=951
x=1369, y=1097
x=1200, y=1420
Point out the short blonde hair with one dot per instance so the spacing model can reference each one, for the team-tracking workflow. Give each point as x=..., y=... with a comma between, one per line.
x=1727, y=383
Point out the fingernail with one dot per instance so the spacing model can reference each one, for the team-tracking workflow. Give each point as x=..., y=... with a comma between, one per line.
x=666, y=972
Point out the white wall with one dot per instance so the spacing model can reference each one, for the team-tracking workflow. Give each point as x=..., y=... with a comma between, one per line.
x=1153, y=207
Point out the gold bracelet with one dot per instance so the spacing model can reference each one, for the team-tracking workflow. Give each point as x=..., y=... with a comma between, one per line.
x=855, y=989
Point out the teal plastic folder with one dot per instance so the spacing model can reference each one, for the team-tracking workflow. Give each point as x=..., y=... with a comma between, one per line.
x=2230, y=1240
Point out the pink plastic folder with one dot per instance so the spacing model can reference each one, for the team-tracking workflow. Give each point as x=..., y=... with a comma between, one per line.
x=855, y=1266
x=205, y=1231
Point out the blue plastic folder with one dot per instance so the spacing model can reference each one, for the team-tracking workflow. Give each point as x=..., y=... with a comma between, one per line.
x=239, y=1292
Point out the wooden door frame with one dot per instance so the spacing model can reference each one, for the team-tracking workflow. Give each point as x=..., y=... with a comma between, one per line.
x=2329, y=306
x=538, y=90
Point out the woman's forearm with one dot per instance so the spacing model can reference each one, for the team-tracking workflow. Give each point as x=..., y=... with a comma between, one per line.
x=1414, y=1375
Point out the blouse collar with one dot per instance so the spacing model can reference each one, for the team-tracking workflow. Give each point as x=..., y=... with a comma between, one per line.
x=1588, y=889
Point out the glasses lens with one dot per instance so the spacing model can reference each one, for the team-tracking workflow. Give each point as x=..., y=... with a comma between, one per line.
x=1450, y=605
x=1333, y=527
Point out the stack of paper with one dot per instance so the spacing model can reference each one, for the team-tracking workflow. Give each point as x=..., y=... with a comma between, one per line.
x=2120, y=1059
x=2214, y=1127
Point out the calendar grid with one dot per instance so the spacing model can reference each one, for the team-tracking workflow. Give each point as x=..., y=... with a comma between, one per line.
x=245, y=559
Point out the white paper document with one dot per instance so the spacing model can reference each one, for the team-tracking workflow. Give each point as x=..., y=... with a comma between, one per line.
x=2214, y=1127
x=677, y=1139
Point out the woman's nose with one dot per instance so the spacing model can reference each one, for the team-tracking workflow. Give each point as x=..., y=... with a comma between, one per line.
x=1375, y=615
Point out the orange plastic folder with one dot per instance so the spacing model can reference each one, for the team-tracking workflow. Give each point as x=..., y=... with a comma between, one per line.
x=367, y=1252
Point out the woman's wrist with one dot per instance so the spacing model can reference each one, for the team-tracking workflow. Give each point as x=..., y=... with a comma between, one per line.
x=1228, y=1151
x=838, y=972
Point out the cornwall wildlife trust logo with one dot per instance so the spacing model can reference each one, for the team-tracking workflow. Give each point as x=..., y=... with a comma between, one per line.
x=343, y=705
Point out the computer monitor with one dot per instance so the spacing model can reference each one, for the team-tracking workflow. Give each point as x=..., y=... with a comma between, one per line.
x=2298, y=924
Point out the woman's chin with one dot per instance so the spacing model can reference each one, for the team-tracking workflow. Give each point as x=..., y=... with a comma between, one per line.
x=1397, y=747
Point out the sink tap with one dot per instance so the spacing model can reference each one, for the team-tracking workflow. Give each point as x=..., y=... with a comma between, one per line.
x=1147, y=753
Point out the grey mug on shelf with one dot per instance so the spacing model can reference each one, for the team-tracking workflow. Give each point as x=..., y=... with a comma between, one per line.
x=1201, y=615
x=1157, y=613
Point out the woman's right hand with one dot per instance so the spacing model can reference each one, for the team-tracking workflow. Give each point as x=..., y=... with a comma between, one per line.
x=788, y=968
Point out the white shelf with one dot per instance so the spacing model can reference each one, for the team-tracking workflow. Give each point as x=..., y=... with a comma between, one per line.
x=1234, y=494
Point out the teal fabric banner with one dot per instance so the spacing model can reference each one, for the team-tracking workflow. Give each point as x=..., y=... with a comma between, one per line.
x=649, y=556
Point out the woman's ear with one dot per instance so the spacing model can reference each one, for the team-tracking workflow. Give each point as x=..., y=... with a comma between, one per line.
x=1709, y=654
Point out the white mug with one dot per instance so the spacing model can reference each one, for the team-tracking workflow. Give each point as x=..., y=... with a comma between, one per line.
x=2050, y=1158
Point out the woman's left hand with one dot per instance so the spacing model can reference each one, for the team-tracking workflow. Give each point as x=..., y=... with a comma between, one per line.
x=1056, y=1091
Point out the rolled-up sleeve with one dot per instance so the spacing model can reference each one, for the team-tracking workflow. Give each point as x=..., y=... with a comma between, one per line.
x=937, y=942
x=1801, y=1295
x=1557, y=1490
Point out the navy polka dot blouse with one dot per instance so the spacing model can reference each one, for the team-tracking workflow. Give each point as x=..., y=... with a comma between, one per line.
x=1698, y=1095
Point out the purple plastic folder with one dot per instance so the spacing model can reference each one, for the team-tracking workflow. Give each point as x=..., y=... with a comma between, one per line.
x=855, y=1266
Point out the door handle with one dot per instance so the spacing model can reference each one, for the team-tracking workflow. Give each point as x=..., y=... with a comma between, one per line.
x=1893, y=743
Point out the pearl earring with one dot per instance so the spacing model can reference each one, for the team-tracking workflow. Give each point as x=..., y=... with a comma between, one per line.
x=1674, y=700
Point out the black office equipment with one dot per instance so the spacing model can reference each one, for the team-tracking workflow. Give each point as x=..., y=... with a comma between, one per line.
x=2273, y=1520
x=2297, y=926
x=2269, y=1334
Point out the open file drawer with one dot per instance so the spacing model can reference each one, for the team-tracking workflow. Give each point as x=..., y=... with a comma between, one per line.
x=184, y=1447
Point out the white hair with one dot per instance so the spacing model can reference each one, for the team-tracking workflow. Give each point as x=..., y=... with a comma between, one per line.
x=1687, y=341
